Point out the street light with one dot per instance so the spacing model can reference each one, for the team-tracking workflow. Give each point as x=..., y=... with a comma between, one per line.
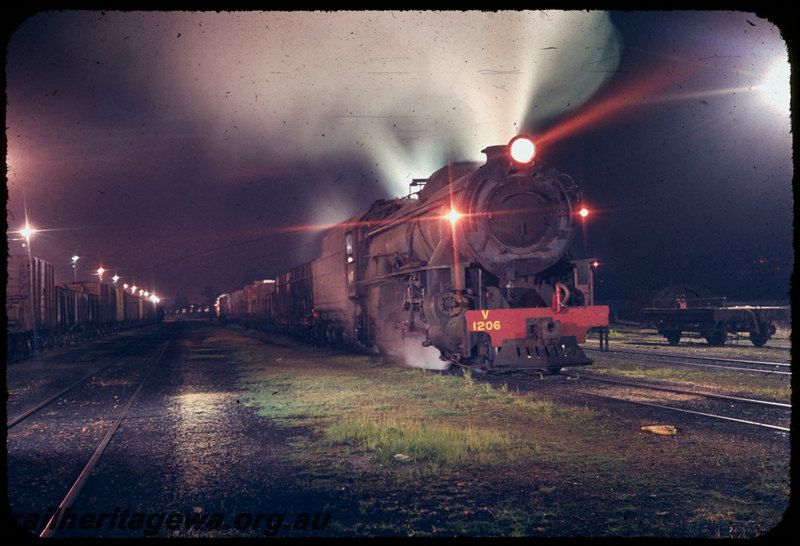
x=27, y=232
x=75, y=267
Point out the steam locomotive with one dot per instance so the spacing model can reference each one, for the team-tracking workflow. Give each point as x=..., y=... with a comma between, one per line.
x=475, y=264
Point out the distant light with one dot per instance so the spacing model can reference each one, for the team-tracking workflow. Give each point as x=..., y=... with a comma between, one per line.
x=776, y=88
x=453, y=216
x=75, y=259
x=27, y=231
x=595, y=264
x=125, y=286
x=584, y=212
x=115, y=278
x=100, y=272
x=522, y=149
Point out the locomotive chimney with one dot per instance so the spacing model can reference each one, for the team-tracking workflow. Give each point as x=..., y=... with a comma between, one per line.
x=495, y=152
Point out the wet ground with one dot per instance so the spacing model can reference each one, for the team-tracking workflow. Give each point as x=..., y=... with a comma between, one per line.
x=189, y=459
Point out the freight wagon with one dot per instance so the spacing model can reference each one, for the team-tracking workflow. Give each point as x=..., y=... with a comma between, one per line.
x=714, y=320
x=42, y=314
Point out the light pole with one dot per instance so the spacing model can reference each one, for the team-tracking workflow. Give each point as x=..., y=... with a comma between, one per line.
x=27, y=232
x=75, y=258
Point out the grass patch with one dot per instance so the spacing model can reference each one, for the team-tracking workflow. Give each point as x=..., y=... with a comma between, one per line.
x=444, y=420
x=428, y=453
x=404, y=438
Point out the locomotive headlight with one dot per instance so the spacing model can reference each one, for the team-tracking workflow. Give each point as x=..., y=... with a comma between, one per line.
x=522, y=149
x=453, y=216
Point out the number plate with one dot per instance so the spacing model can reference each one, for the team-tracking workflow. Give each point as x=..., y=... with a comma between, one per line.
x=503, y=324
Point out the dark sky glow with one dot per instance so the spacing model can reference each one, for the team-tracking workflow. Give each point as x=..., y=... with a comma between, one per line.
x=183, y=150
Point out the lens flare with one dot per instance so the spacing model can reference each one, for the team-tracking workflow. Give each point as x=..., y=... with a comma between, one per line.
x=453, y=216
x=27, y=231
x=776, y=89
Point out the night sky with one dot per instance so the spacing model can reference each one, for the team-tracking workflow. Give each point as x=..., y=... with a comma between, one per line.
x=190, y=150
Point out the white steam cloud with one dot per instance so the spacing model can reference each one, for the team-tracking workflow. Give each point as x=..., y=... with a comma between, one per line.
x=405, y=90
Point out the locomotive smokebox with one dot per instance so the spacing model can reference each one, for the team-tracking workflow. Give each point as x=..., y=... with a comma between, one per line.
x=521, y=220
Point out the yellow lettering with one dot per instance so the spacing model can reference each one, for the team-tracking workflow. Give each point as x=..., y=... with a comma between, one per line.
x=485, y=314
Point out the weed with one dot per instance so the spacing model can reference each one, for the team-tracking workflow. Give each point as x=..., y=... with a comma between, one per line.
x=419, y=434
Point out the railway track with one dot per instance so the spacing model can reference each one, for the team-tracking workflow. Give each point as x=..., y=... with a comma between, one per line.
x=704, y=403
x=748, y=411
x=707, y=404
x=743, y=342
x=712, y=362
x=48, y=400
x=98, y=394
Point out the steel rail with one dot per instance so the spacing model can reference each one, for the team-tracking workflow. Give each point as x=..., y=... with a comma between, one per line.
x=680, y=391
x=765, y=425
x=13, y=421
x=694, y=357
x=51, y=526
x=681, y=360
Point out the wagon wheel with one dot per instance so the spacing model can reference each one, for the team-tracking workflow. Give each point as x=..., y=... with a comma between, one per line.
x=761, y=337
x=717, y=338
x=673, y=336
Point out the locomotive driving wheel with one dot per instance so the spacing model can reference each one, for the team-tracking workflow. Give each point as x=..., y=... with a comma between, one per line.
x=485, y=353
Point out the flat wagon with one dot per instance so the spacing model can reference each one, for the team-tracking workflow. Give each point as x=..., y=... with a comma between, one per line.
x=714, y=319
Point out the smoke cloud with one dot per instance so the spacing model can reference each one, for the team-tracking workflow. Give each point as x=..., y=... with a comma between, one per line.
x=404, y=91
x=233, y=126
